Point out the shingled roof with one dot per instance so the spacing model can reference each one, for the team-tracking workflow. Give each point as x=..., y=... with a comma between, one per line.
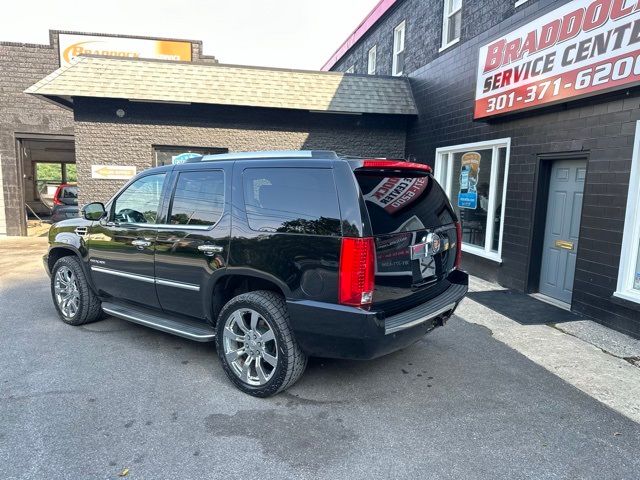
x=162, y=81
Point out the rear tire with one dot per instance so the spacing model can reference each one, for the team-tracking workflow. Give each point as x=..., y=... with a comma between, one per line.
x=73, y=298
x=256, y=346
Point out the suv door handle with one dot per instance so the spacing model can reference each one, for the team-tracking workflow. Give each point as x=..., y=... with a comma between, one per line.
x=210, y=249
x=141, y=243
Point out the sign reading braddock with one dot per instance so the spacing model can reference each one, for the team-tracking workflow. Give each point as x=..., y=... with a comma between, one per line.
x=72, y=45
x=582, y=48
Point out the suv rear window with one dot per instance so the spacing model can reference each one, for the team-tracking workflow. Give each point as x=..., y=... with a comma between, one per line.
x=403, y=204
x=291, y=200
x=70, y=191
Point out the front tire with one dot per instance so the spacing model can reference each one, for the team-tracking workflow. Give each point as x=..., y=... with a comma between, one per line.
x=74, y=300
x=256, y=346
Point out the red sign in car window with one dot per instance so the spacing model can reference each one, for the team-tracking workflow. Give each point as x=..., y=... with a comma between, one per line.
x=396, y=193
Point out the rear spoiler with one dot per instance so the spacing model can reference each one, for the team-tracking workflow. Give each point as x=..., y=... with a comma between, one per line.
x=388, y=165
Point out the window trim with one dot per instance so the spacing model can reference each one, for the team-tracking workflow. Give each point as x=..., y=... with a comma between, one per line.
x=112, y=203
x=174, y=188
x=447, y=184
x=351, y=69
x=402, y=26
x=448, y=45
x=520, y=2
x=445, y=25
x=373, y=53
x=631, y=232
x=268, y=167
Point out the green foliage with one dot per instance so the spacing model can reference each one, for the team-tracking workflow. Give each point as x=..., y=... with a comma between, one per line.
x=72, y=174
x=53, y=172
x=49, y=171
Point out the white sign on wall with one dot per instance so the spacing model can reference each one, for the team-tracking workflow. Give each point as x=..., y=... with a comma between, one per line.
x=72, y=45
x=582, y=48
x=113, y=172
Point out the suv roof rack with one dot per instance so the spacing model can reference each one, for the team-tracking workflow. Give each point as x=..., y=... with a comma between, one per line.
x=267, y=154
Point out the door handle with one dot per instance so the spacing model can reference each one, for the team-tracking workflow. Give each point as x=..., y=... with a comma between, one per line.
x=210, y=250
x=141, y=243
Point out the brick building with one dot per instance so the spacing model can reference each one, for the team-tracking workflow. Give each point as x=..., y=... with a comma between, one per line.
x=528, y=111
x=33, y=132
x=107, y=119
x=136, y=114
x=556, y=198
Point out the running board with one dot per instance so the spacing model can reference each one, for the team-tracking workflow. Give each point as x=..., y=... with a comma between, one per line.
x=191, y=329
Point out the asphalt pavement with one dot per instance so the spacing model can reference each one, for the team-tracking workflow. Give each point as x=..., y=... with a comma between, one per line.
x=92, y=401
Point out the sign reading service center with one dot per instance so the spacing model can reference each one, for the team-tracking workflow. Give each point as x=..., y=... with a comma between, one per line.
x=72, y=45
x=582, y=48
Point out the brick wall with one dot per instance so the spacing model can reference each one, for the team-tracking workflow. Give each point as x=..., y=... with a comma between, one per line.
x=602, y=127
x=21, y=66
x=423, y=34
x=103, y=138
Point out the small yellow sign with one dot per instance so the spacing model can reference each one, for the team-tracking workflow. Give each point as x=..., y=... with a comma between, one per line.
x=113, y=172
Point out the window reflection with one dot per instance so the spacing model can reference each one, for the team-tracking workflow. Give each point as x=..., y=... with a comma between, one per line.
x=139, y=202
x=292, y=200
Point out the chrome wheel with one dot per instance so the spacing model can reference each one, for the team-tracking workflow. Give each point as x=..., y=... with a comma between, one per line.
x=66, y=292
x=250, y=347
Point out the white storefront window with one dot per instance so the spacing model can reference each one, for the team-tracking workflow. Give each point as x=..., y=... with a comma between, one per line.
x=474, y=176
x=629, y=271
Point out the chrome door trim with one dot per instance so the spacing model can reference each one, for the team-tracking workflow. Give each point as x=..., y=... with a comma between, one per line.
x=118, y=273
x=141, y=243
x=144, y=278
x=172, y=283
x=164, y=226
x=209, y=249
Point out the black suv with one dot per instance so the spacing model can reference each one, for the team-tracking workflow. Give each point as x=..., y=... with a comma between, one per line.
x=275, y=256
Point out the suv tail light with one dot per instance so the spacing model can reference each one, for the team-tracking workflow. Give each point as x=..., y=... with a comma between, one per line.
x=357, y=271
x=458, y=245
x=56, y=196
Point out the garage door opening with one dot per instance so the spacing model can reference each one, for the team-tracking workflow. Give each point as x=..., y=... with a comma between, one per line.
x=47, y=163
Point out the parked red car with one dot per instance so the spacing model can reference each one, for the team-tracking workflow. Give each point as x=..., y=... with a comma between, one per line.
x=65, y=202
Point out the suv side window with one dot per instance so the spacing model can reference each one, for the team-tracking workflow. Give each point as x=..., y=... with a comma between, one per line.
x=139, y=202
x=291, y=200
x=198, y=198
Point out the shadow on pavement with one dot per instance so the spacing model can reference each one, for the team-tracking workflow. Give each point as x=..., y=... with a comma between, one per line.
x=522, y=308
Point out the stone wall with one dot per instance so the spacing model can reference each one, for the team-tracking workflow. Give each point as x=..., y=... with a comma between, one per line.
x=104, y=139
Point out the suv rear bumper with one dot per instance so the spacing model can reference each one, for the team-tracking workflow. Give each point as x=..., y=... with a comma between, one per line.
x=337, y=331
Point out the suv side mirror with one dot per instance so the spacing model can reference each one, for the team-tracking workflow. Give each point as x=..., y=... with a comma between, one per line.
x=93, y=211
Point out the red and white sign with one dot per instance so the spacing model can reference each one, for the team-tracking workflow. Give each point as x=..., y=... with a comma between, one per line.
x=582, y=48
x=395, y=193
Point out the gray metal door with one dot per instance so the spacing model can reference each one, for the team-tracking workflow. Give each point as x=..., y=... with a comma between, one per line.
x=562, y=229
